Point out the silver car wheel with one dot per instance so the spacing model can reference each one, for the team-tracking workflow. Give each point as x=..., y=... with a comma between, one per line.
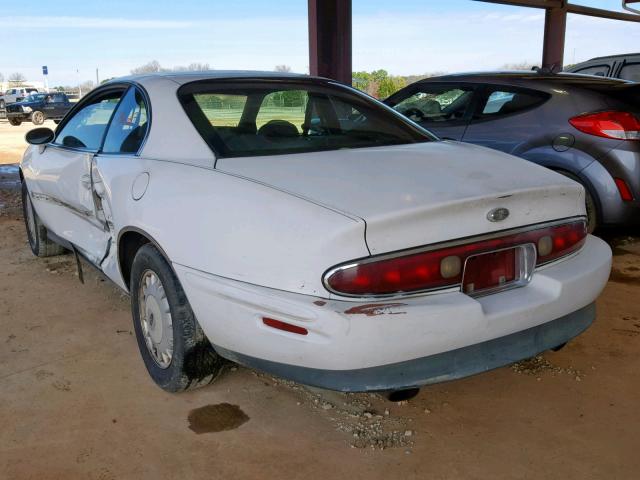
x=155, y=319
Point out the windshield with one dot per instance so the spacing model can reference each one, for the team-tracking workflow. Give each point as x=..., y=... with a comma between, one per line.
x=278, y=117
x=34, y=97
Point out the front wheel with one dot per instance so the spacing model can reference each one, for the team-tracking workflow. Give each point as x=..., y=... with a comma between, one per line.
x=16, y=122
x=37, y=117
x=37, y=234
x=175, y=350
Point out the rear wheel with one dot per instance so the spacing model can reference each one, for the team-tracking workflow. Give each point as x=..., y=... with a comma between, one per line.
x=175, y=350
x=15, y=122
x=37, y=233
x=37, y=117
x=590, y=203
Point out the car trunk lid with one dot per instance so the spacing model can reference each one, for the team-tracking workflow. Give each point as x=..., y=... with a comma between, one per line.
x=419, y=194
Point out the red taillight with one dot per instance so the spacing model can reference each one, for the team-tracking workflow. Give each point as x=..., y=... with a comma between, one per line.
x=623, y=188
x=443, y=267
x=610, y=124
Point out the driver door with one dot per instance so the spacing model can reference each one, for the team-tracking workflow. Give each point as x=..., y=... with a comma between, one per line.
x=444, y=109
x=49, y=107
x=63, y=187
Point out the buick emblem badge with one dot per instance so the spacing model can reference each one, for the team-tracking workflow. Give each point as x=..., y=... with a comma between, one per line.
x=497, y=214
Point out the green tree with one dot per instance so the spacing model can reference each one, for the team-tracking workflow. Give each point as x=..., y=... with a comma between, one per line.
x=379, y=75
x=361, y=80
x=390, y=85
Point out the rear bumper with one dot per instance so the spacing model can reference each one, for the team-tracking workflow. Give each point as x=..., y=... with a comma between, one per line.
x=406, y=341
x=623, y=163
x=441, y=367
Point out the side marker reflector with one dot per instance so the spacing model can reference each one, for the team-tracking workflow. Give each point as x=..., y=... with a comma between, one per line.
x=623, y=188
x=287, y=327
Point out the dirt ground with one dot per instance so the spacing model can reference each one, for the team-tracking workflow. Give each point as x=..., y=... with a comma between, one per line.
x=77, y=403
x=12, y=144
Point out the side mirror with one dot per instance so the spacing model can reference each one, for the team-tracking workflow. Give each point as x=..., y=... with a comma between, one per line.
x=39, y=136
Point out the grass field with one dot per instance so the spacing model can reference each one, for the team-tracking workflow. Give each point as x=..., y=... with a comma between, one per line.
x=230, y=117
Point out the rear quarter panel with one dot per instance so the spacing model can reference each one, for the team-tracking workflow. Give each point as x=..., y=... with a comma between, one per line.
x=229, y=226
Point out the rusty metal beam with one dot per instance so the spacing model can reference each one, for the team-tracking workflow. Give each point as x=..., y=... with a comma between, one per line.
x=527, y=3
x=600, y=13
x=555, y=27
x=555, y=24
x=330, y=42
x=571, y=8
x=630, y=5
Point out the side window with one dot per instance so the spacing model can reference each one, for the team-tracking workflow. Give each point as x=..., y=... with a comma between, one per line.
x=128, y=126
x=432, y=103
x=599, y=70
x=503, y=102
x=496, y=101
x=631, y=71
x=87, y=126
x=285, y=108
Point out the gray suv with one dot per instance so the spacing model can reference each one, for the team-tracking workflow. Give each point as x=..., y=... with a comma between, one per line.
x=584, y=127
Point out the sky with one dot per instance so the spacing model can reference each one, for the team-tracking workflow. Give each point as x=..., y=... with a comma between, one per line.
x=403, y=37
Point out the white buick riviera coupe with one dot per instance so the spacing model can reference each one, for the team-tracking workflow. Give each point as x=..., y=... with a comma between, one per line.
x=295, y=225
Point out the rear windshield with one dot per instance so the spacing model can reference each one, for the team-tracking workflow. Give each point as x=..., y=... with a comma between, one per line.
x=277, y=117
x=620, y=94
x=629, y=95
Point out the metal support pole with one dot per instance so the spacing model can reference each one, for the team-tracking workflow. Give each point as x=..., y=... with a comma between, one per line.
x=555, y=27
x=330, y=39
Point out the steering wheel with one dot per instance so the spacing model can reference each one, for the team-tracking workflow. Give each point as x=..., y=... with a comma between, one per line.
x=414, y=114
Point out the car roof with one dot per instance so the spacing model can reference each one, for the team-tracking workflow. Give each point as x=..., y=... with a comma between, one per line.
x=484, y=77
x=189, y=76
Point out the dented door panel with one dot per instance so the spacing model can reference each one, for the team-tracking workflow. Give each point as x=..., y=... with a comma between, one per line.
x=62, y=188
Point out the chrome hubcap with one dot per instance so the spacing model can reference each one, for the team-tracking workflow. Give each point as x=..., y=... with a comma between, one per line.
x=31, y=221
x=155, y=319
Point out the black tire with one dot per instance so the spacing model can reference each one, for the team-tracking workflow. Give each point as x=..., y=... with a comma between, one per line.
x=194, y=363
x=593, y=219
x=37, y=117
x=16, y=122
x=37, y=234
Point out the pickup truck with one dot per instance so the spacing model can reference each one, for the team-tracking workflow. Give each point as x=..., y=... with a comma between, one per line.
x=14, y=95
x=39, y=107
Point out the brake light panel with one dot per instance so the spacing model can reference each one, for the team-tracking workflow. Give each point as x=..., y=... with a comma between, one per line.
x=436, y=268
x=609, y=124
